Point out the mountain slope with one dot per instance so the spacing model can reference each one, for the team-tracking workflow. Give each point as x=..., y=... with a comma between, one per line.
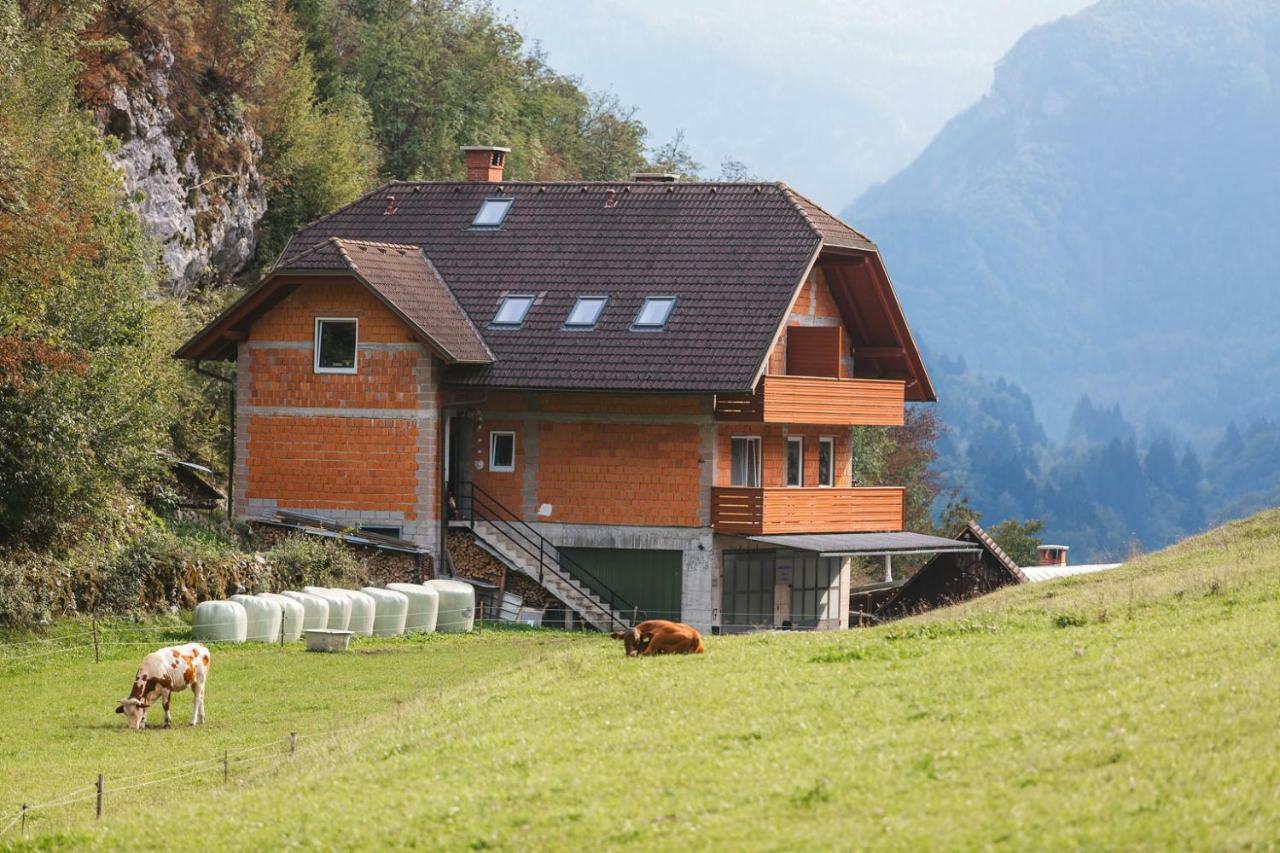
x=1102, y=221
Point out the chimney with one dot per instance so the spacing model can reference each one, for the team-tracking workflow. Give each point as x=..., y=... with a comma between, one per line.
x=1052, y=555
x=485, y=162
x=654, y=177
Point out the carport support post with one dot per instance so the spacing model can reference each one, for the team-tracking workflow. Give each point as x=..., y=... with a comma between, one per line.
x=99, y=796
x=888, y=568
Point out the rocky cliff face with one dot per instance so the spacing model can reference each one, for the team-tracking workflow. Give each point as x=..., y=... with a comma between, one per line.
x=203, y=220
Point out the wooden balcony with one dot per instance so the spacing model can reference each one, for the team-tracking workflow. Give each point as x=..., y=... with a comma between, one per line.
x=780, y=510
x=818, y=400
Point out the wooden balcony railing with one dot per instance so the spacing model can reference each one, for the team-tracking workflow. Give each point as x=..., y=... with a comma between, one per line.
x=779, y=510
x=818, y=400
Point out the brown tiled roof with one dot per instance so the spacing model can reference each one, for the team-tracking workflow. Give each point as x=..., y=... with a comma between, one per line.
x=732, y=254
x=833, y=231
x=404, y=276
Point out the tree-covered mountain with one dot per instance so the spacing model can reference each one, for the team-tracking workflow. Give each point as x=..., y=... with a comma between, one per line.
x=1102, y=222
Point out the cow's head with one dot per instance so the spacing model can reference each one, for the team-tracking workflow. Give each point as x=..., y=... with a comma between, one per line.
x=631, y=639
x=135, y=712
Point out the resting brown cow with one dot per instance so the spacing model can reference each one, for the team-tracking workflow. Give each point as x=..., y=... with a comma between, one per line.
x=660, y=637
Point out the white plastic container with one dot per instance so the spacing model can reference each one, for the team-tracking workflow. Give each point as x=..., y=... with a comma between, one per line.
x=391, y=610
x=292, y=614
x=339, y=606
x=424, y=605
x=457, y=613
x=264, y=618
x=363, y=610
x=219, y=622
x=327, y=640
x=316, y=609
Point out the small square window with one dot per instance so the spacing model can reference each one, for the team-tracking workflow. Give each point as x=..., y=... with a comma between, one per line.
x=654, y=313
x=502, y=451
x=586, y=312
x=491, y=213
x=335, y=344
x=512, y=311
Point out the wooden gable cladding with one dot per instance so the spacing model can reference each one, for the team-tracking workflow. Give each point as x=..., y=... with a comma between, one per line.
x=817, y=400
x=815, y=350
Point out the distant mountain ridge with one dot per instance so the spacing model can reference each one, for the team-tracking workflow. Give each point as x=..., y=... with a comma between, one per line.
x=1104, y=221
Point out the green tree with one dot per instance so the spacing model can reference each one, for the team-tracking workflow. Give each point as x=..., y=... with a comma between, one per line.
x=1019, y=539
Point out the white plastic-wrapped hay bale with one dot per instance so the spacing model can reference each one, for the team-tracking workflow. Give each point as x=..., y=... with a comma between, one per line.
x=315, y=609
x=263, y=616
x=363, y=610
x=339, y=606
x=457, y=613
x=292, y=614
x=424, y=605
x=391, y=610
x=219, y=622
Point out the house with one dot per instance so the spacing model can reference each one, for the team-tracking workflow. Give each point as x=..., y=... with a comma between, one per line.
x=954, y=576
x=633, y=392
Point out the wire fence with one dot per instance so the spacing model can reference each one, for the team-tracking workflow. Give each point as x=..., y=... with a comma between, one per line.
x=281, y=747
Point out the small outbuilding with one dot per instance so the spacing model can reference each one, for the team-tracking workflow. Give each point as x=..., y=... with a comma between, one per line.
x=955, y=576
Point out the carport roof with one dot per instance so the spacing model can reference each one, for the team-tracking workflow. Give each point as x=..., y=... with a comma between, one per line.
x=866, y=544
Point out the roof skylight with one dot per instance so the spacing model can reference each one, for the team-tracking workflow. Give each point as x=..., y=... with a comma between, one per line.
x=492, y=212
x=586, y=312
x=512, y=311
x=654, y=313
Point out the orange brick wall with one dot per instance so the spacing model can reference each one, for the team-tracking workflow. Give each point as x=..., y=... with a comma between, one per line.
x=334, y=463
x=294, y=318
x=773, y=452
x=613, y=473
x=507, y=487
x=286, y=377
x=815, y=301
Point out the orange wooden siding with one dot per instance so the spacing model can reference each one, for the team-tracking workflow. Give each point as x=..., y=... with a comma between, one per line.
x=783, y=510
x=817, y=400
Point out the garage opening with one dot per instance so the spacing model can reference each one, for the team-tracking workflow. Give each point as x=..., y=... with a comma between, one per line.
x=648, y=579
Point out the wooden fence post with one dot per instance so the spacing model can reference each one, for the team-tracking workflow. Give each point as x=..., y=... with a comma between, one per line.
x=100, y=787
x=293, y=742
x=226, y=765
x=24, y=820
x=284, y=617
x=97, y=656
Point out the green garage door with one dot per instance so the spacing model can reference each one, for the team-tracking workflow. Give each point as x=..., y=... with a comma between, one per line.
x=649, y=580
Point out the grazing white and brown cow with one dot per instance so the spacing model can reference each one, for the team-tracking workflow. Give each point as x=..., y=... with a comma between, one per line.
x=163, y=673
x=660, y=637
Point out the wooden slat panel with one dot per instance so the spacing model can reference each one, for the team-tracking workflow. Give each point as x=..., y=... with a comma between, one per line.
x=814, y=350
x=759, y=511
x=814, y=400
x=740, y=407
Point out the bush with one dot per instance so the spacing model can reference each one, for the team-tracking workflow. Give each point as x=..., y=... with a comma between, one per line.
x=310, y=561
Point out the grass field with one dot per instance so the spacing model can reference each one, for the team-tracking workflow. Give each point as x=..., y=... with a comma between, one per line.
x=1136, y=708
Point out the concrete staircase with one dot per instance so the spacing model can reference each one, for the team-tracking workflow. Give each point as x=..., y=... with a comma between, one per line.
x=572, y=593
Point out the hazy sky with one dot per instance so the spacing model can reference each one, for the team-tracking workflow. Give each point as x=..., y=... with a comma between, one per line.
x=828, y=95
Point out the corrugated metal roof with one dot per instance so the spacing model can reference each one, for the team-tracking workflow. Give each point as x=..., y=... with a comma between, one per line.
x=865, y=544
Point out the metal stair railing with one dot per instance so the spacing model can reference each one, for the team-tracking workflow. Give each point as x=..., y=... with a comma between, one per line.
x=474, y=503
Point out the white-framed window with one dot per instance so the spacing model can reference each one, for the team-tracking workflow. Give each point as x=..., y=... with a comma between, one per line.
x=654, y=313
x=491, y=213
x=795, y=460
x=512, y=311
x=586, y=312
x=744, y=461
x=502, y=450
x=336, y=344
x=826, y=461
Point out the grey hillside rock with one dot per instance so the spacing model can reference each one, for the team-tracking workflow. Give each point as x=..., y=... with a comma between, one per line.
x=204, y=224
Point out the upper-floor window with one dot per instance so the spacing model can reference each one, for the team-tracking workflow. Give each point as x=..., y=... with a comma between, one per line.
x=744, y=461
x=654, y=313
x=502, y=451
x=512, y=311
x=586, y=312
x=335, y=344
x=491, y=213
x=826, y=461
x=795, y=460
